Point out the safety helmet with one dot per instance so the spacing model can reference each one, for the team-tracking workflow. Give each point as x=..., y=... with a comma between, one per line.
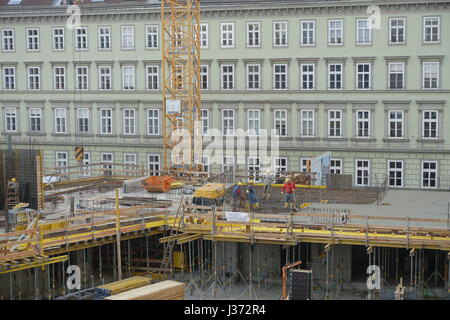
x=13, y=180
x=251, y=181
x=287, y=180
x=240, y=184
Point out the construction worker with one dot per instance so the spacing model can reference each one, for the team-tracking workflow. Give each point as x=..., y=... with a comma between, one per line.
x=235, y=196
x=253, y=202
x=289, y=189
x=268, y=180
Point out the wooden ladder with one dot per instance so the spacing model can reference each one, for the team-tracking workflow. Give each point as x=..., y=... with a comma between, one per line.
x=167, y=257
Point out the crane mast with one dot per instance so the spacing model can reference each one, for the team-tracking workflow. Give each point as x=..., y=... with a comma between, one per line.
x=181, y=84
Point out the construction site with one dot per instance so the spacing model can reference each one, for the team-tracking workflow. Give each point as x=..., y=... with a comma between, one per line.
x=119, y=231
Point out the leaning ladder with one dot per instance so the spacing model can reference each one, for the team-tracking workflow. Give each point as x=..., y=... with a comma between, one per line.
x=167, y=257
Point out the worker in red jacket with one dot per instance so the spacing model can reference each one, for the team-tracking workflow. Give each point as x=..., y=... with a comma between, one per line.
x=288, y=189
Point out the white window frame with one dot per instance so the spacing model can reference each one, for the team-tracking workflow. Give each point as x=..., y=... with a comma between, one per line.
x=154, y=165
x=204, y=35
x=153, y=122
x=152, y=78
x=253, y=122
x=84, y=84
x=127, y=38
x=60, y=121
x=225, y=82
x=278, y=121
x=391, y=71
x=205, y=121
x=104, y=38
x=361, y=122
x=278, y=165
x=61, y=162
x=129, y=77
x=81, y=40
x=254, y=164
x=425, y=27
x=129, y=121
x=8, y=40
x=360, y=168
x=106, y=121
x=335, y=166
x=204, y=77
x=35, y=41
x=103, y=76
x=103, y=157
x=37, y=117
x=58, y=40
x=303, y=164
x=36, y=80
x=396, y=29
x=395, y=122
x=7, y=83
x=278, y=34
x=336, y=74
x=81, y=116
x=152, y=36
x=310, y=31
x=430, y=121
x=86, y=172
x=395, y=170
x=228, y=122
x=335, y=120
x=253, y=36
x=361, y=32
x=228, y=165
x=59, y=79
x=334, y=31
x=308, y=74
x=307, y=123
x=130, y=162
x=253, y=77
x=227, y=36
x=429, y=171
x=363, y=74
x=425, y=72
x=11, y=119
x=280, y=78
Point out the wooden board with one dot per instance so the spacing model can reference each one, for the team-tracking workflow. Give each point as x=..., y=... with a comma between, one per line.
x=165, y=290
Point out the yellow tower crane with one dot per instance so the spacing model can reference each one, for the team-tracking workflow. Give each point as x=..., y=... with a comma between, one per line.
x=181, y=84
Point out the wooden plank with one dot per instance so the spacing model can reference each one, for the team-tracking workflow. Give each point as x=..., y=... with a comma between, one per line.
x=165, y=290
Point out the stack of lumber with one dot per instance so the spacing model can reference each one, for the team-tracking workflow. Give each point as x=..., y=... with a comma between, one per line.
x=124, y=285
x=165, y=290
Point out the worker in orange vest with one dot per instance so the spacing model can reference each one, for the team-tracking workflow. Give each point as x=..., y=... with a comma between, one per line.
x=288, y=189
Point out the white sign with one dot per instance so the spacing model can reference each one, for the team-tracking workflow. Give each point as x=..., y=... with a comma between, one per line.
x=374, y=279
x=74, y=277
x=321, y=166
x=173, y=106
x=237, y=216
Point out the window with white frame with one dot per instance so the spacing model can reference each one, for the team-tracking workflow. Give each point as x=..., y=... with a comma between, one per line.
x=228, y=122
x=8, y=43
x=307, y=33
x=153, y=164
x=336, y=166
x=335, y=78
x=279, y=165
x=363, y=123
x=364, y=31
x=205, y=163
x=431, y=29
x=430, y=124
x=151, y=35
x=104, y=38
x=280, y=76
x=59, y=78
x=204, y=36
x=127, y=37
x=304, y=164
x=9, y=78
x=253, y=34
x=280, y=122
x=397, y=30
x=32, y=39
x=58, y=39
x=107, y=159
x=307, y=75
x=430, y=75
x=429, y=174
x=280, y=33
x=307, y=123
x=335, y=123
x=86, y=161
x=106, y=121
x=128, y=78
x=81, y=40
x=130, y=161
x=82, y=82
x=204, y=71
x=396, y=124
x=254, y=121
x=335, y=32
x=395, y=173
x=227, y=75
x=227, y=35
x=254, y=168
x=60, y=120
x=105, y=73
x=83, y=120
x=129, y=121
x=34, y=78
x=253, y=76
x=205, y=121
x=228, y=164
x=152, y=121
x=152, y=77
x=35, y=119
x=363, y=76
x=396, y=75
x=362, y=173
x=10, y=119
x=61, y=161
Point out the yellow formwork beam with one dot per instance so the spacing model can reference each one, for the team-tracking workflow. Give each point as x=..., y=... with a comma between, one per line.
x=32, y=264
